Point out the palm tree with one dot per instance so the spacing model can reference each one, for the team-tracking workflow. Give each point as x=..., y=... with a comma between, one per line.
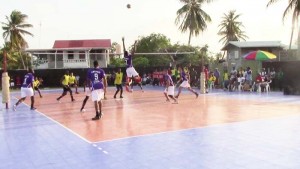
x=231, y=28
x=294, y=7
x=192, y=18
x=14, y=30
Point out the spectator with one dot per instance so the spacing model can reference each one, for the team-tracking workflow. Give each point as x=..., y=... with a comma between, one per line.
x=225, y=80
x=248, y=76
x=272, y=76
x=280, y=79
x=217, y=75
x=258, y=81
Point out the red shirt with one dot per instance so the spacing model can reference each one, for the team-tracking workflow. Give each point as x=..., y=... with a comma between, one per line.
x=206, y=73
x=258, y=78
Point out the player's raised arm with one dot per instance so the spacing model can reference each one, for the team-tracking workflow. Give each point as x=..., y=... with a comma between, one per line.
x=124, y=49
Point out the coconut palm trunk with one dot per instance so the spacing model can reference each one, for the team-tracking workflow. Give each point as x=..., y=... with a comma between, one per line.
x=298, y=45
x=190, y=37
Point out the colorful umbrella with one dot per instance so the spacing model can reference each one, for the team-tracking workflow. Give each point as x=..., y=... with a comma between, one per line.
x=259, y=55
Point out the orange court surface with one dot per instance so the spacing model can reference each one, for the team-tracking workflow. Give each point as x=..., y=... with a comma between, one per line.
x=141, y=113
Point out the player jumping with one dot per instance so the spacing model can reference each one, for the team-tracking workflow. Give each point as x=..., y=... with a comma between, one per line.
x=130, y=70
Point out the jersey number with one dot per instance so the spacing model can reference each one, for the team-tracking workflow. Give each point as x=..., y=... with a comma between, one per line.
x=25, y=81
x=96, y=76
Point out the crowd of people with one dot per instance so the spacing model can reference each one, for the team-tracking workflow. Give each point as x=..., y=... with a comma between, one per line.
x=244, y=79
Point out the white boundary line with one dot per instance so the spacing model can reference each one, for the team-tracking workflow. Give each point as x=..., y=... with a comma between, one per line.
x=208, y=126
x=57, y=123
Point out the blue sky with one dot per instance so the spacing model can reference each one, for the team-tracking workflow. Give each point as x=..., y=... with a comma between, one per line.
x=110, y=19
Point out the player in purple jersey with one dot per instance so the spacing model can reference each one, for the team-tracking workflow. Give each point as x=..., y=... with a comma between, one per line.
x=27, y=90
x=97, y=81
x=185, y=83
x=131, y=73
x=169, y=91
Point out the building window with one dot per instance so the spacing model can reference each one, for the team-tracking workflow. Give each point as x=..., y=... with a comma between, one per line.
x=236, y=54
x=70, y=55
x=81, y=55
x=43, y=56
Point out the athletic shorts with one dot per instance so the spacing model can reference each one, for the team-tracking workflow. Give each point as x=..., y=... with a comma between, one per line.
x=88, y=92
x=170, y=91
x=73, y=85
x=97, y=95
x=66, y=88
x=130, y=71
x=26, y=92
x=185, y=84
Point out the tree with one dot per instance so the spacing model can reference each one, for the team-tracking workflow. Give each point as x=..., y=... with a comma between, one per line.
x=185, y=59
x=231, y=28
x=14, y=31
x=192, y=18
x=141, y=62
x=117, y=62
x=12, y=56
x=294, y=7
x=154, y=43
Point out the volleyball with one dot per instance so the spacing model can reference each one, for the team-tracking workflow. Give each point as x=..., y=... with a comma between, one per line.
x=128, y=6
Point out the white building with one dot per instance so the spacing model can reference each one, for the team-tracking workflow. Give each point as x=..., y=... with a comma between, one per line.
x=72, y=54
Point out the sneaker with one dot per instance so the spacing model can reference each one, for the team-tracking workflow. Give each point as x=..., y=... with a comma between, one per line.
x=175, y=102
x=41, y=96
x=121, y=97
x=33, y=108
x=58, y=100
x=96, y=118
x=77, y=92
x=73, y=100
x=176, y=97
x=197, y=95
x=82, y=110
x=168, y=100
x=115, y=97
x=14, y=107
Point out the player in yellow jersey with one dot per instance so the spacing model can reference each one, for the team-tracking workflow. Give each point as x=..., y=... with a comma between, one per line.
x=66, y=88
x=118, y=83
x=73, y=82
x=37, y=82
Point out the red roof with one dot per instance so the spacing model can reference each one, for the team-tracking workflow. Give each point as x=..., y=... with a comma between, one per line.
x=96, y=43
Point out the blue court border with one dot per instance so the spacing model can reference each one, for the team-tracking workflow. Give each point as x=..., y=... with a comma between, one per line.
x=28, y=139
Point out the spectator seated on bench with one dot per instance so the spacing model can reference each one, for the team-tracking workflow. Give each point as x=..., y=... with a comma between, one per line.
x=257, y=83
x=240, y=81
